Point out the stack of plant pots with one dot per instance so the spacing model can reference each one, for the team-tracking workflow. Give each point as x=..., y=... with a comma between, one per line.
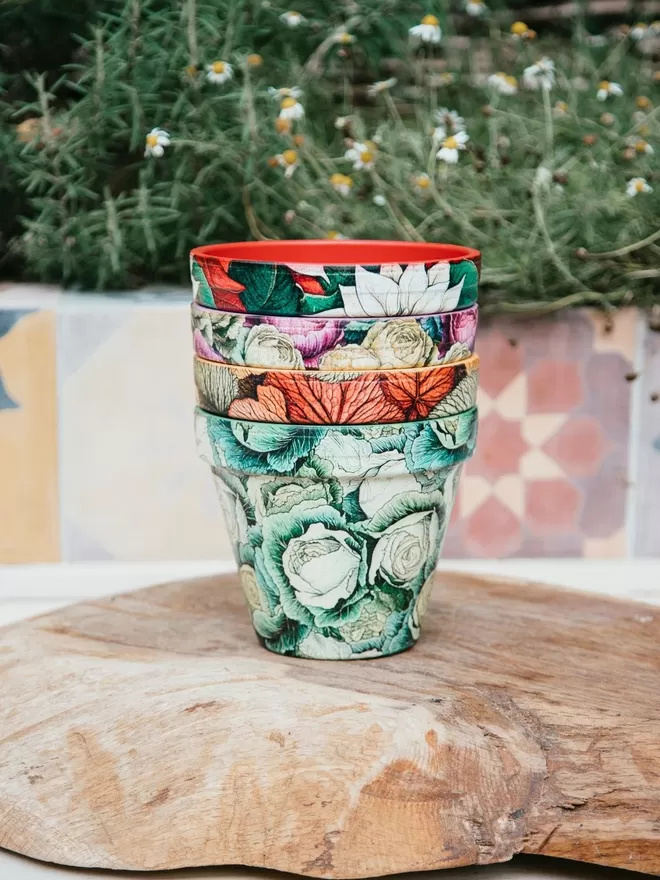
x=337, y=388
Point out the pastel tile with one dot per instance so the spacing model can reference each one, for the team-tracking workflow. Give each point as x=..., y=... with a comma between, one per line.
x=554, y=440
x=29, y=506
x=647, y=476
x=132, y=486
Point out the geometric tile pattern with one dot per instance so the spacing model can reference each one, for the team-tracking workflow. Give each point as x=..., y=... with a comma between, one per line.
x=647, y=477
x=97, y=457
x=29, y=506
x=549, y=477
x=132, y=486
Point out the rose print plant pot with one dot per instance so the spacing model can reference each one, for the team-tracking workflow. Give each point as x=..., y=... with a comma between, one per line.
x=337, y=530
x=333, y=343
x=308, y=397
x=358, y=279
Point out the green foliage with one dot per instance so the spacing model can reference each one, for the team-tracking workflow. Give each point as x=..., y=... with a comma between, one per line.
x=84, y=206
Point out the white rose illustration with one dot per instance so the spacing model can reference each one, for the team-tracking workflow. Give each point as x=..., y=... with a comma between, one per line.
x=405, y=547
x=321, y=566
x=399, y=343
x=375, y=492
x=351, y=458
x=235, y=518
x=318, y=647
x=266, y=346
x=395, y=291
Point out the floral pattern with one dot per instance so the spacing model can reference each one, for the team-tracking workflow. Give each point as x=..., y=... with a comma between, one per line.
x=336, y=291
x=336, y=398
x=336, y=530
x=333, y=343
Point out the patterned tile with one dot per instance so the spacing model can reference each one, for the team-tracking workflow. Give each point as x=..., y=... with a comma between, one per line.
x=29, y=510
x=132, y=486
x=550, y=475
x=647, y=476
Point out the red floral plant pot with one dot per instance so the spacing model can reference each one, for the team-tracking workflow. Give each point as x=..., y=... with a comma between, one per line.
x=356, y=279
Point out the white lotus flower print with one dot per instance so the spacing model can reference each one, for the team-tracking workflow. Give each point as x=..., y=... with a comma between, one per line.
x=396, y=291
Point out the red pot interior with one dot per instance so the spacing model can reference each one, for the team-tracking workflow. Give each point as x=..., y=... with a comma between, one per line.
x=338, y=253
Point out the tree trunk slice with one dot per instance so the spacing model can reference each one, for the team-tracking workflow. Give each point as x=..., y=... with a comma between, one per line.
x=150, y=731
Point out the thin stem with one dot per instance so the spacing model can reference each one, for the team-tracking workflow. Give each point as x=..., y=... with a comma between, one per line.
x=493, y=154
x=626, y=249
x=549, y=128
x=191, y=32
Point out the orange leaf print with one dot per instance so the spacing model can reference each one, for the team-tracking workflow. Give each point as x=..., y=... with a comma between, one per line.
x=417, y=392
x=312, y=401
x=270, y=406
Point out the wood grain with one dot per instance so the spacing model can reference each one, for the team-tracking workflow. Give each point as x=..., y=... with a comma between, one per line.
x=150, y=731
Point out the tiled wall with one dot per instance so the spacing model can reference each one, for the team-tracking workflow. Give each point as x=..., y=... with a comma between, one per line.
x=97, y=458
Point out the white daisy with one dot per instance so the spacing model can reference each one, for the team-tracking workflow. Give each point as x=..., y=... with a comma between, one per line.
x=503, y=83
x=289, y=161
x=607, y=88
x=290, y=108
x=449, y=150
x=342, y=183
x=540, y=75
x=342, y=121
x=427, y=31
x=421, y=183
x=219, y=72
x=475, y=8
x=362, y=155
x=638, y=31
x=280, y=94
x=450, y=120
x=637, y=185
x=379, y=200
x=641, y=146
x=155, y=142
x=292, y=19
x=382, y=85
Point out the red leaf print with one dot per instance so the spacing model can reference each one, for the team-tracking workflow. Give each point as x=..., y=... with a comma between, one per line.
x=269, y=407
x=224, y=289
x=308, y=283
x=312, y=401
x=417, y=392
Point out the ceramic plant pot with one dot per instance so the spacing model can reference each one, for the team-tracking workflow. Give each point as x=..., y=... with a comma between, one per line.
x=318, y=397
x=358, y=279
x=336, y=531
x=333, y=343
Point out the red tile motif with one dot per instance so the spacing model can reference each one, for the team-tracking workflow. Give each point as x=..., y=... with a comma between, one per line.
x=549, y=477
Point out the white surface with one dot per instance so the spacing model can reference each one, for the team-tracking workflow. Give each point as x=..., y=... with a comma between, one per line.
x=29, y=590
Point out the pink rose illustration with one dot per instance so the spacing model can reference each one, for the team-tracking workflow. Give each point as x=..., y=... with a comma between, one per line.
x=463, y=326
x=311, y=337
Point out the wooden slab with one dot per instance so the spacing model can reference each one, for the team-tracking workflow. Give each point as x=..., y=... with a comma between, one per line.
x=150, y=731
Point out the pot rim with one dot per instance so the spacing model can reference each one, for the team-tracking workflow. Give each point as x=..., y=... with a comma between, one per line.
x=350, y=252
x=325, y=319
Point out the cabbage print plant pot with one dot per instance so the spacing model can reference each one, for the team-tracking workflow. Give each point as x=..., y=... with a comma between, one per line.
x=357, y=279
x=336, y=531
x=317, y=397
x=333, y=343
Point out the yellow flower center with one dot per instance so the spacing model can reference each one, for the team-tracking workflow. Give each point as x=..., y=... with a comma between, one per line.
x=218, y=67
x=641, y=146
x=430, y=20
x=287, y=103
x=152, y=140
x=341, y=180
x=604, y=85
x=255, y=60
x=290, y=157
x=643, y=102
x=191, y=69
x=333, y=234
x=519, y=28
x=282, y=125
x=345, y=38
x=450, y=143
x=511, y=80
x=640, y=26
x=298, y=140
x=367, y=156
x=639, y=186
x=561, y=107
x=423, y=181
